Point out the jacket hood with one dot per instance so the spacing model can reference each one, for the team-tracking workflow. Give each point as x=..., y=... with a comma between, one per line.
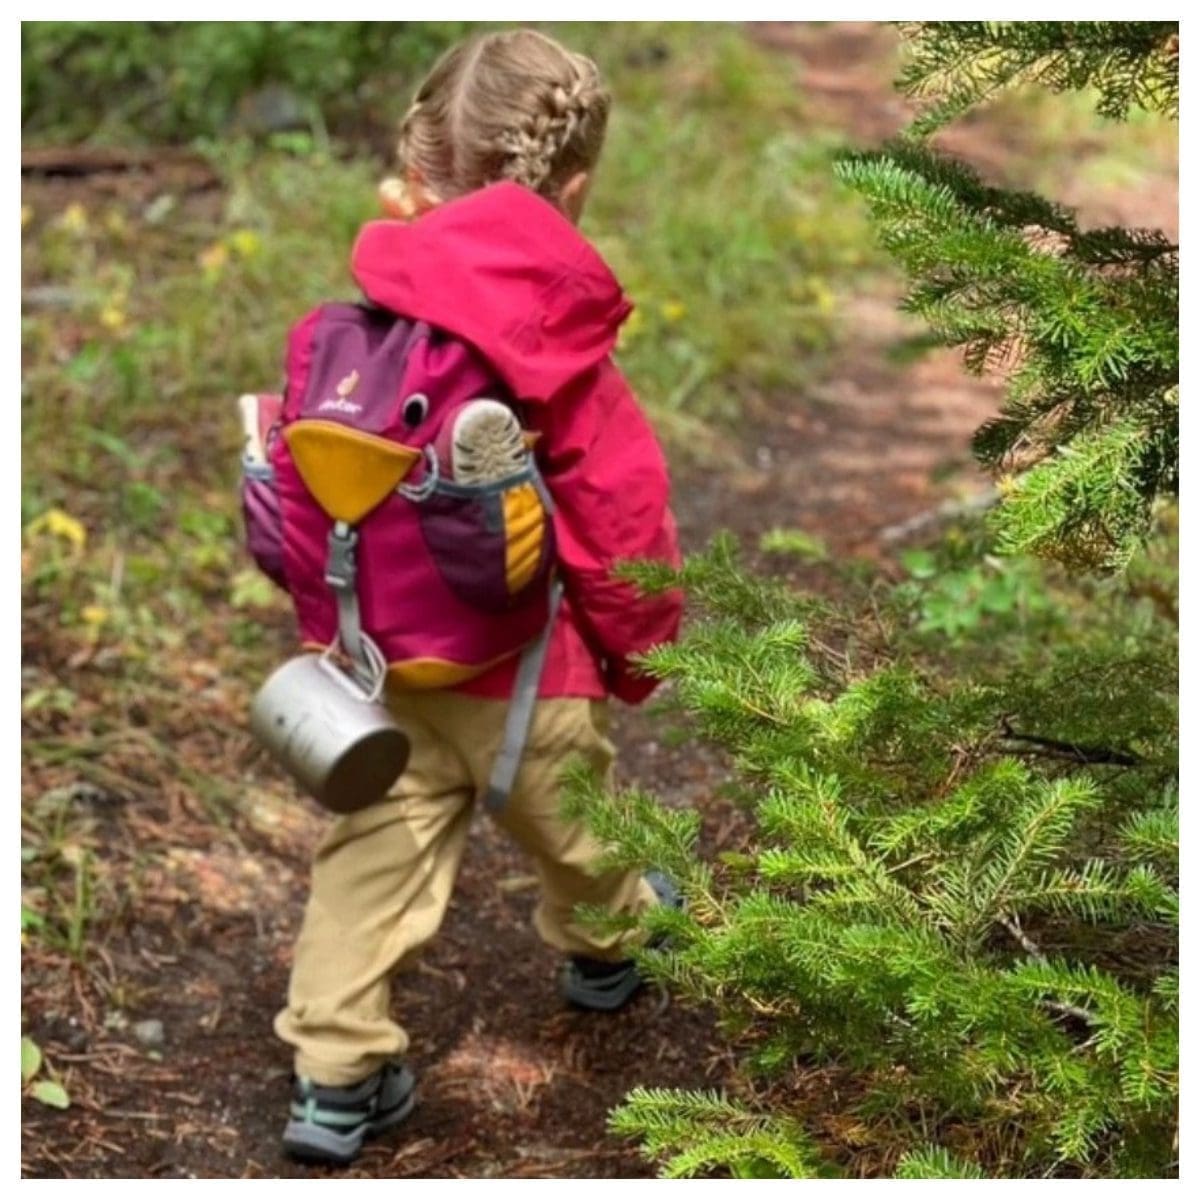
x=504, y=270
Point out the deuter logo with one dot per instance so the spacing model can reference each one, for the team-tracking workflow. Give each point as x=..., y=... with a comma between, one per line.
x=339, y=405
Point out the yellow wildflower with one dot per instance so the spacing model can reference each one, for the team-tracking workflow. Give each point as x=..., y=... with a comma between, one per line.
x=59, y=524
x=94, y=614
x=673, y=310
x=74, y=219
x=245, y=243
x=113, y=318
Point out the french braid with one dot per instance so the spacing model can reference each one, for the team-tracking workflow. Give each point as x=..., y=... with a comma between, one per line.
x=512, y=106
x=540, y=148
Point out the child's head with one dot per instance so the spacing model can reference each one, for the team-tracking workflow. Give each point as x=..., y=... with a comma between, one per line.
x=499, y=106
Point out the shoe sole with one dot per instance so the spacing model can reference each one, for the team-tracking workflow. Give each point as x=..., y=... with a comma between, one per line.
x=310, y=1143
x=487, y=445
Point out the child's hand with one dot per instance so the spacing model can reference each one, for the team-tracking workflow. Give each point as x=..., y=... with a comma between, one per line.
x=406, y=199
x=396, y=200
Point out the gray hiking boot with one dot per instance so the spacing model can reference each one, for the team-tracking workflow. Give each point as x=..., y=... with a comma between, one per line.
x=601, y=986
x=330, y=1124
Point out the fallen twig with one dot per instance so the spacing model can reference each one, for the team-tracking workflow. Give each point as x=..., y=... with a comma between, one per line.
x=76, y=161
x=1073, y=751
x=949, y=510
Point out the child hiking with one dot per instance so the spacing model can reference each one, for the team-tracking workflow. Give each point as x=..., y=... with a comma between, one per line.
x=477, y=391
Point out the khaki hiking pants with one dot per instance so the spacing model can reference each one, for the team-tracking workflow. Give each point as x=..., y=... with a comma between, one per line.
x=382, y=877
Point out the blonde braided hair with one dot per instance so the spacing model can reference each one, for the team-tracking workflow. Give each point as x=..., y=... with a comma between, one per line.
x=513, y=105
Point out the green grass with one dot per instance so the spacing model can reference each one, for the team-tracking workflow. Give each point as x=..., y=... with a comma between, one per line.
x=59, y=904
x=717, y=208
x=130, y=81
x=713, y=202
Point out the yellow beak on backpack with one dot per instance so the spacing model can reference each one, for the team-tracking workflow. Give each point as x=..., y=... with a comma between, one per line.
x=348, y=472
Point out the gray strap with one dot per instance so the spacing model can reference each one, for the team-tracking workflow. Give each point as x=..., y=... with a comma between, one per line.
x=341, y=573
x=520, y=711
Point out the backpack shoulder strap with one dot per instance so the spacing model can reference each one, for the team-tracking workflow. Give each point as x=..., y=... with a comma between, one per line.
x=520, y=710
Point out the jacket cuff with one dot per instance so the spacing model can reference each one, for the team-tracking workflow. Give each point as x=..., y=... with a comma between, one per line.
x=622, y=682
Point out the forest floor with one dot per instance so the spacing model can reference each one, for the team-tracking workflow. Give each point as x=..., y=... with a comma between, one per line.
x=162, y=1032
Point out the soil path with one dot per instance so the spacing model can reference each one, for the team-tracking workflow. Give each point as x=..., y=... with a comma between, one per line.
x=512, y=1084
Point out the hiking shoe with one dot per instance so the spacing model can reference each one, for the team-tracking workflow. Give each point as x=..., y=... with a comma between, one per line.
x=601, y=986
x=330, y=1124
x=483, y=444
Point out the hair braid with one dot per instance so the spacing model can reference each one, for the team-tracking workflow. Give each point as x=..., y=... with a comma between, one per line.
x=538, y=146
x=513, y=105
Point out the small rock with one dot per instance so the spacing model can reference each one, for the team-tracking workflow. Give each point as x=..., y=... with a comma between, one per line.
x=149, y=1033
x=52, y=296
x=159, y=209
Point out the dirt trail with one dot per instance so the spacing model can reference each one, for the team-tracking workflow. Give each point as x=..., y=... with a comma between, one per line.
x=511, y=1084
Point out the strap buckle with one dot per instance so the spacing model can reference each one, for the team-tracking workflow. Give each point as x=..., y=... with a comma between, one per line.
x=340, y=567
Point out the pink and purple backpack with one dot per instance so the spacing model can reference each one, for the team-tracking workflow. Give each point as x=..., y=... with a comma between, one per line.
x=352, y=508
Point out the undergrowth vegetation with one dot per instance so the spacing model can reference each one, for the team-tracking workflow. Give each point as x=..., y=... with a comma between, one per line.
x=960, y=889
x=958, y=893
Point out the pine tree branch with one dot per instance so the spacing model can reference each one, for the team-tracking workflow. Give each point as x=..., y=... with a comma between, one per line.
x=1035, y=952
x=1073, y=751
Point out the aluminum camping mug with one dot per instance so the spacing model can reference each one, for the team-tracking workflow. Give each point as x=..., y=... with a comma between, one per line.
x=337, y=740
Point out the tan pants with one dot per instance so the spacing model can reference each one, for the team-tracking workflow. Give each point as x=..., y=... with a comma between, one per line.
x=382, y=877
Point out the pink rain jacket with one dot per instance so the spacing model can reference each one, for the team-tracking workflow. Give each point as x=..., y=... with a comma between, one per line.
x=507, y=272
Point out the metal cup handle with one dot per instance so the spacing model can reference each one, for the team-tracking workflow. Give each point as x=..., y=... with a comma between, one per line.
x=375, y=661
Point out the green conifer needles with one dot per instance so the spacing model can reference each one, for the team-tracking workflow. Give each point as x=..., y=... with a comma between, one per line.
x=945, y=889
x=959, y=64
x=1084, y=322
x=955, y=886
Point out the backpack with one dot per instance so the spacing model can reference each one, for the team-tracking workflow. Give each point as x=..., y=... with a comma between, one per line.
x=351, y=503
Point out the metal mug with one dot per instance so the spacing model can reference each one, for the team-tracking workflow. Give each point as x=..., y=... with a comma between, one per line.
x=336, y=738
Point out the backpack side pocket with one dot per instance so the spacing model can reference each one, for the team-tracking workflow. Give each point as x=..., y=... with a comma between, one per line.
x=263, y=519
x=493, y=544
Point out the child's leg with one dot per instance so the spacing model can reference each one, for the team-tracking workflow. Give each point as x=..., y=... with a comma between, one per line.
x=380, y=885
x=564, y=852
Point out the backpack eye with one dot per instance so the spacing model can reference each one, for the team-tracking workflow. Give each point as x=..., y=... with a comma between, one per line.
x=416, y=409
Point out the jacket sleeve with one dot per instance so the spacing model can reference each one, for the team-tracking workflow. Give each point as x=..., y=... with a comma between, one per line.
x=607, y=475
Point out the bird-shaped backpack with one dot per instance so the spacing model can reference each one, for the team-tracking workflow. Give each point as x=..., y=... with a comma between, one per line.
x=393, y=492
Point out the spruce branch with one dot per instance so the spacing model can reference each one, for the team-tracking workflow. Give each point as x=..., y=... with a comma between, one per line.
x=1084, y=323
x=958, y=65
x=1071, y=751
x=1035, y=953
